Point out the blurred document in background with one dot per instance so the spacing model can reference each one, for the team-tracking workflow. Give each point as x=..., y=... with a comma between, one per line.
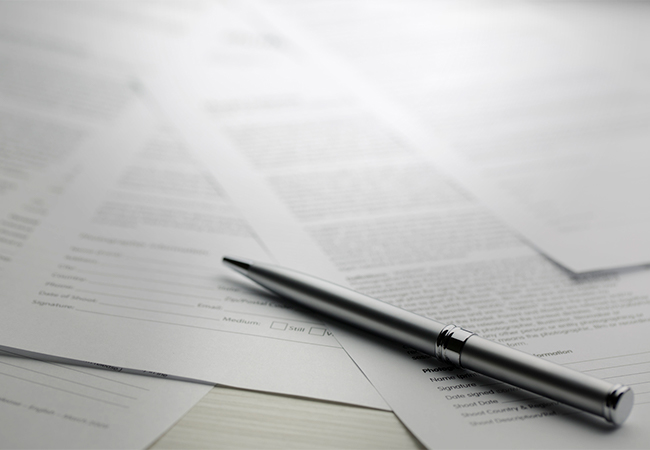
x=543, y=108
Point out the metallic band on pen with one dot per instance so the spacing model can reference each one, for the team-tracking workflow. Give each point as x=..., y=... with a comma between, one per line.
x=450, y=343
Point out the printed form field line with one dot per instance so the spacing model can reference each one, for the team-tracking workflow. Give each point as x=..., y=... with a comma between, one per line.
x=69, y=381
x=145, y=269
x=208, y=329
x=72, y=369
x=171, y=283
x=107, y=294
x=159, y=312
x=211, y=318
x=65, y=390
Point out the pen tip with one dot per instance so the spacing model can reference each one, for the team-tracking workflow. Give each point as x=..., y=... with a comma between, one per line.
x=239, y=265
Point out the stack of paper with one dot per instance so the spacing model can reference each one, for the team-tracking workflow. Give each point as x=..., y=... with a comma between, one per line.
x=436, y=166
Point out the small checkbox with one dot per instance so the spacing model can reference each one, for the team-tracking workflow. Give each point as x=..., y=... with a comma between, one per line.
x=279, y=326
x=317, y=331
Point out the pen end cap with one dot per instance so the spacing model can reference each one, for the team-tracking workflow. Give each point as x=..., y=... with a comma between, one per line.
x=618, y=405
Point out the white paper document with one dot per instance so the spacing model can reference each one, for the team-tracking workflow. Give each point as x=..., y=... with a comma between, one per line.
x=261, y=139
x=126, y=272
x=366, y=206
x=544, y=108
x=111, y=238
x=46, y=404
x=52, y=116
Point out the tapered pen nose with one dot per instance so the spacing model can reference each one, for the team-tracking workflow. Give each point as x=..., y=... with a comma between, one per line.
x=240, y=265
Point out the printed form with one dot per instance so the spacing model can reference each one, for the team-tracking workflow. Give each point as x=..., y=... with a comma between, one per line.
x=70, y=406
x=126, y=272
x=368, y=207
x=49, y=114
x=107, y=208
x=83, y=407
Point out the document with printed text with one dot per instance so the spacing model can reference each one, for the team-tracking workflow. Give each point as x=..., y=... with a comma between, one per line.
x=541, y=111
x=46, y=404
x=130, y=260
x=371, y=209
x=270, y=144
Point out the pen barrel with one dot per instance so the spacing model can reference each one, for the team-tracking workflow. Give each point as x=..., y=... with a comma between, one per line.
x=613, y=402
x=349, y=306
x=448, y=343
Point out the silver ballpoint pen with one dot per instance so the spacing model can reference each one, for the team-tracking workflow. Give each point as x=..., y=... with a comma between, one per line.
x=448, y=343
